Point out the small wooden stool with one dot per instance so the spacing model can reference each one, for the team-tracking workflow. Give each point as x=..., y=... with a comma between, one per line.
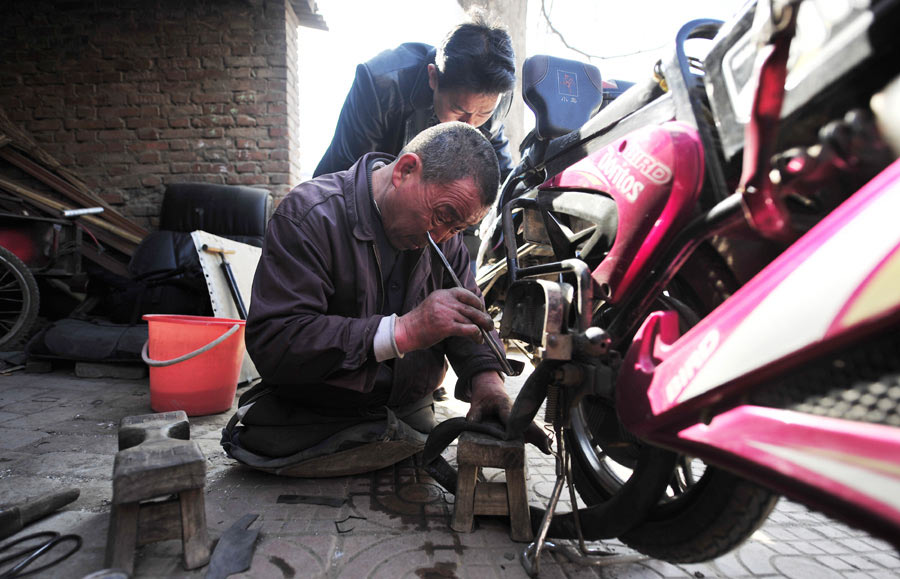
x=156, y=460
x=491, y=498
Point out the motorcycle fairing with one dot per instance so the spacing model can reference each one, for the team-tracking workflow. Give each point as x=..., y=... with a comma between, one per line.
x=844, y=467
x=839, y=276
x=835, y=287
x=654, y=174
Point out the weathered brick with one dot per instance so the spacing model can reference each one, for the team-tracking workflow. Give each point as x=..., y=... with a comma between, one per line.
x=181, y=156
x=125, y=105
x=247, y=179
x=45, y=125
x=139, y=146
x=280, y=179
x=112, y=197
x=276, y=167
x=211, y=97
x=138, y=123
x=178, y=144
x=115, y=135
x=148, y=133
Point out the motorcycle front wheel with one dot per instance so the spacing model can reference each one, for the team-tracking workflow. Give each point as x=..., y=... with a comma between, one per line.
x=706, y=512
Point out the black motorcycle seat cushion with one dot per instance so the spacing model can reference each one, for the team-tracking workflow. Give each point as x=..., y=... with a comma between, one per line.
x=562, y=93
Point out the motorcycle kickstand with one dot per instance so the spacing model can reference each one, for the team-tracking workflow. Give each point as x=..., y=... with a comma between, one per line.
x=531, y=555
x=588, y=557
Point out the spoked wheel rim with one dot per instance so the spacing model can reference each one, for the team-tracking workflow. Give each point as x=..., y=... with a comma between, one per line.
x=610, y=471
x=18, y=299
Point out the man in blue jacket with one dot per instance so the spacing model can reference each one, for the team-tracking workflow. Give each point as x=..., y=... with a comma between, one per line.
x=400, y=92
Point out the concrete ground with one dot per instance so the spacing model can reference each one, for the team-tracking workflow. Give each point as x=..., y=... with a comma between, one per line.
x=59, y=431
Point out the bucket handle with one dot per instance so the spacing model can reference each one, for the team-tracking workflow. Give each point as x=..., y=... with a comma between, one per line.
x=145, y=354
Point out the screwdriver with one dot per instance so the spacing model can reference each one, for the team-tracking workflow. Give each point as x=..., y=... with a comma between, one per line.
x=501, y=357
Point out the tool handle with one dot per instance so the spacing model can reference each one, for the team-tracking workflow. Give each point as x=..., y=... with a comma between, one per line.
x=33, y=510
x=16, y=518
x=219, y=250
x=235, y=292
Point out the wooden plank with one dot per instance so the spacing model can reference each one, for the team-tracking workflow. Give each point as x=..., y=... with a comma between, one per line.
x=105, y=261
x=491, y=499
x=464, y=507
x=484, y=450
x=80, y=195
x=54, y=205
x=121, y=539
x=194, y=535
x=519, y=515
x=159, y=521
x=84, y=198
x=156, y=469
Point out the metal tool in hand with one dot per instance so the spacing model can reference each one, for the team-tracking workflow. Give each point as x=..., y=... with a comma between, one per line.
x=498, y=353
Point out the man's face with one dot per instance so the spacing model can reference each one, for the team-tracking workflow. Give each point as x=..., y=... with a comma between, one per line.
x=417, y=208
x=460, y=105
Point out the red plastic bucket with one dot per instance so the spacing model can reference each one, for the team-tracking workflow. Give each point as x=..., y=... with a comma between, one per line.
x=195, y=362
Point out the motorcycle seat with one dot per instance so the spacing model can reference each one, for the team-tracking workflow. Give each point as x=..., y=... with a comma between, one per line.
x=562, y=93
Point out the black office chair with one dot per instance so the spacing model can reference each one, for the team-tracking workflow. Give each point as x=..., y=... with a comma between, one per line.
x=166, y=261
x=231, y=211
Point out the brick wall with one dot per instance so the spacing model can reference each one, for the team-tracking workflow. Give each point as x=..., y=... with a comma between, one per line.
x=135, y=94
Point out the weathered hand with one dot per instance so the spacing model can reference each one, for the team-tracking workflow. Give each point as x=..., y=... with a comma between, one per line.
x=489, y=398
x=444, y=313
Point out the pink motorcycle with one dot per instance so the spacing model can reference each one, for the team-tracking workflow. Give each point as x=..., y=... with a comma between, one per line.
x=705, y=273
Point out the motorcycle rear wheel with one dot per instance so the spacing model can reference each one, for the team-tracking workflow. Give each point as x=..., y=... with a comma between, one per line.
x=707, y=511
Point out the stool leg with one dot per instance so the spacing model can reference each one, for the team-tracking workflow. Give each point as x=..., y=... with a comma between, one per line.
x=194, y=536
x=121, y=538
x=464, y=508
x=517, y=495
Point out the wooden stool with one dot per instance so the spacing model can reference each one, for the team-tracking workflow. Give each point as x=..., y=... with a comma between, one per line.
x=491, y=498
x=156, y=461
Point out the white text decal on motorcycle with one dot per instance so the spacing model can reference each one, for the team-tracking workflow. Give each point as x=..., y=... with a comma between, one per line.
x=689, y=369
x=619, y=176
x=646, y=164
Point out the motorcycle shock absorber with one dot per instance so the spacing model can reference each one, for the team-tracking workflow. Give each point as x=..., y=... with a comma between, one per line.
x=551, y=410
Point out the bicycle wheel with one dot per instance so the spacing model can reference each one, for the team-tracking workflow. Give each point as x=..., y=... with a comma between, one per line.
x=19, y=300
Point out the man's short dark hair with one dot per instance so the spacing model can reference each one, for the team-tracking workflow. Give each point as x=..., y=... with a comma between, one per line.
x=477, y=56
x=453, y=151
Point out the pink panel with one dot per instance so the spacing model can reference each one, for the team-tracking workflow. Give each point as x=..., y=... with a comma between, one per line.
x=874, y=449
x=654, y=174
x=650, y=392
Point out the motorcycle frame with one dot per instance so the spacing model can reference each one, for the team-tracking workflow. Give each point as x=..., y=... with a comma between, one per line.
x=690, y=393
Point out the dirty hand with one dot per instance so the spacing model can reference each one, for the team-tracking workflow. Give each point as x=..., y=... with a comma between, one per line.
x=489, y=399
x=444, y=313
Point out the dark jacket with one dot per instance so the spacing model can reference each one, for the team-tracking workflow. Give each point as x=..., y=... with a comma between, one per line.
x=389, y=103
x=317, y=298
